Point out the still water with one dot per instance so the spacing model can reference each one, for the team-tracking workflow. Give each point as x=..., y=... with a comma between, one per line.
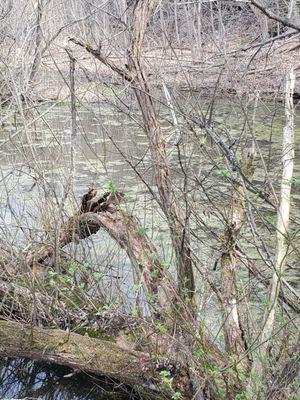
x=28, y=380
x=34, y=171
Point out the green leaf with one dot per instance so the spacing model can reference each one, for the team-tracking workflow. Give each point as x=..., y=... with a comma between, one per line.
x=176, y=396
x=150, y=296
x=136, y=288
x=160, y=327
x=224, y=172
x=217, y=159
x=128, y=196
x=271, y=218
x=253, y=196
x=164, y=374
x=202, y=140
x=165, y=264
x=266, y=303
x=62, y=279
x=295, y=181
x=72, y=268
x=216, y=373
x=85, y=267
x=141, y=231
x=99, y=311
x=111, y=186
x=154, y=256
x=154, y=273
x=98, y=275
x=135, y=312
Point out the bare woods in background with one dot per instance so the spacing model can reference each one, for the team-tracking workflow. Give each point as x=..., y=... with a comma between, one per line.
x=181, y=285
x=199, y=39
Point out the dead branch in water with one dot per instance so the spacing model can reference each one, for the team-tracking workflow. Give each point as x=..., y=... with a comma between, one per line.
x=104, y=212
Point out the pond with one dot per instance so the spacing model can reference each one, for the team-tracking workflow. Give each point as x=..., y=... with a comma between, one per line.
x=34, y=171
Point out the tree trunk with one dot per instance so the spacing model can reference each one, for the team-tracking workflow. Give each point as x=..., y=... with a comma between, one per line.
x=283, y=213
x=234, y=334
x=38, y=41
x=136, y=75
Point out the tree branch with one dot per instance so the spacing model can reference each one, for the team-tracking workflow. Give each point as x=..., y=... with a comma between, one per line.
x=105, y=60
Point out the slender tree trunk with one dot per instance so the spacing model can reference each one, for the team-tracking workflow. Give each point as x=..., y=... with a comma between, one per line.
x=234, y=334
x=283, y=214
x=38, y=41
x=73, y=120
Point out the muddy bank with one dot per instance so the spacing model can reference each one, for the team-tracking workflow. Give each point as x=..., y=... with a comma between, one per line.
x=243, y=69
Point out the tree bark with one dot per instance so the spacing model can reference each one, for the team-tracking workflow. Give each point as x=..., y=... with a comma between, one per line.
x=38, y=41
x=234, y=334
x=288, y=153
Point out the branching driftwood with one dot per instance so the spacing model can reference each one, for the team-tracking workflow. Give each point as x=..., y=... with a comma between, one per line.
x=104, y=211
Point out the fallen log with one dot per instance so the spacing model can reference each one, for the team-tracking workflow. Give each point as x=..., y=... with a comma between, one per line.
x=136, y=369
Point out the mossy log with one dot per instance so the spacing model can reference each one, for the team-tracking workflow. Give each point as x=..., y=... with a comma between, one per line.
x=136, y=369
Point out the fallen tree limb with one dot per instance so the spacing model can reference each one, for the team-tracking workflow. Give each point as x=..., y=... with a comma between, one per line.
x=28, y=304
x=104, y=211
x=18, y=300
x=137, y=369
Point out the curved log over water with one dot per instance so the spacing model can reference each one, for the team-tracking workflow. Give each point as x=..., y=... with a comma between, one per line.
x=104, y=212
x=136, y=369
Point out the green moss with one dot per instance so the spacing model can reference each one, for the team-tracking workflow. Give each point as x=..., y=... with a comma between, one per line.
x=93, y=333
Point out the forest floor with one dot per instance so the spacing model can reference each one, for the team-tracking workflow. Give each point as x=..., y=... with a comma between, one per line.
x=236, y=69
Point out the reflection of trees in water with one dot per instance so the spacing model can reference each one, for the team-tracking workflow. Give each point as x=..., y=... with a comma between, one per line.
x=20, y=378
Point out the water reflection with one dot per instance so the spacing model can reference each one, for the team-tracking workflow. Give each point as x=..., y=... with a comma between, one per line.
x=25, y=379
